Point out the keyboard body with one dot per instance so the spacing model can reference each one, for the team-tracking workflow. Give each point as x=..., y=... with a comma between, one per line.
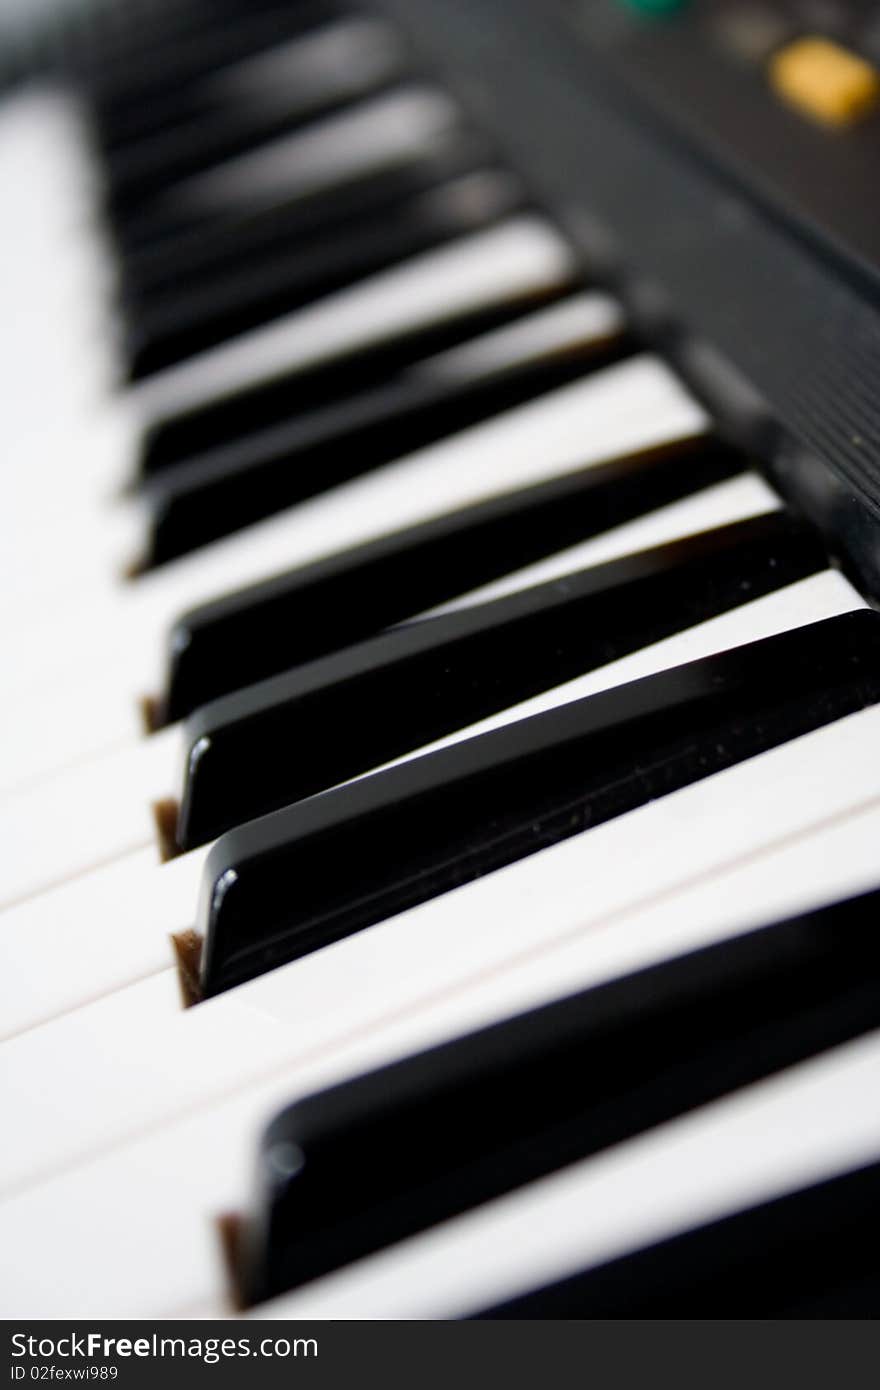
x=743, y=238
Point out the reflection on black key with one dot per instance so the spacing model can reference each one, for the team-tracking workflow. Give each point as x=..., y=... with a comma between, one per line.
x=355, y=1168
x=809, y=1254
x=290, y=276
x=298, y=734
x=222, y=492
x=309, y=875
x=309, y=612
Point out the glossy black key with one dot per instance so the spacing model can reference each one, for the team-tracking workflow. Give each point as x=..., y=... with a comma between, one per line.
x=287, y=738
x=299, y=879
x=128, y=95
x=363, y=1165
x=808, y=1254
x=147, y=31
x=196, y=256
x=394, y=126
x=219, y=422
x=309, y=612
x=140, y=172
x=177, y=326
x=221, y=492
x=303, y=76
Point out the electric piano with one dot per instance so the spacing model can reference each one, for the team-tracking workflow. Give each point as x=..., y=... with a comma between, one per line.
x=441, y=712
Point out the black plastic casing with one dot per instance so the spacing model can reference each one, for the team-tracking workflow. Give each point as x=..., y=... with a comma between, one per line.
x=773, y=325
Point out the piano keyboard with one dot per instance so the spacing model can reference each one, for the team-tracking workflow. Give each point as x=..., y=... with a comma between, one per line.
x=441, y=776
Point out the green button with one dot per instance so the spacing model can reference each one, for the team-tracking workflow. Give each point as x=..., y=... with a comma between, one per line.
x=656, y=6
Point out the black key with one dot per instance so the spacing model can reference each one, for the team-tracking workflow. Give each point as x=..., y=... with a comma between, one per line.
x=128, y=95
x=809, y=1254
x=177, y=326
x=221, y=492
x=196, y=256
x=363, y=1165
x=287, y=738
x=271, y=170
x=235, y=416
x=142, y=171
x=306, y=74
x=145, y=29
x=270, y=627
x=321, y=870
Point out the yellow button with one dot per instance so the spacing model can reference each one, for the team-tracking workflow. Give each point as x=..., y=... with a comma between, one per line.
x=826, y=81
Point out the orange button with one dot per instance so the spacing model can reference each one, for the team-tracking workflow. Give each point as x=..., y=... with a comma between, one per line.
x=825, y=81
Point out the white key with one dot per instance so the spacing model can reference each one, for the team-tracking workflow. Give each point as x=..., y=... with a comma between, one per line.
x=64, y=825
x=82, y=673
x=147, y=1205
x=107, y=930
x=556, y=327
x=522, y=255
x=78, y=718
x=336, y=61
x=88, y=816
x=455, y=936
x=389, y=130
x=94, y=547
x=806, y=1125
x=56, y=358
x=66, y=555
